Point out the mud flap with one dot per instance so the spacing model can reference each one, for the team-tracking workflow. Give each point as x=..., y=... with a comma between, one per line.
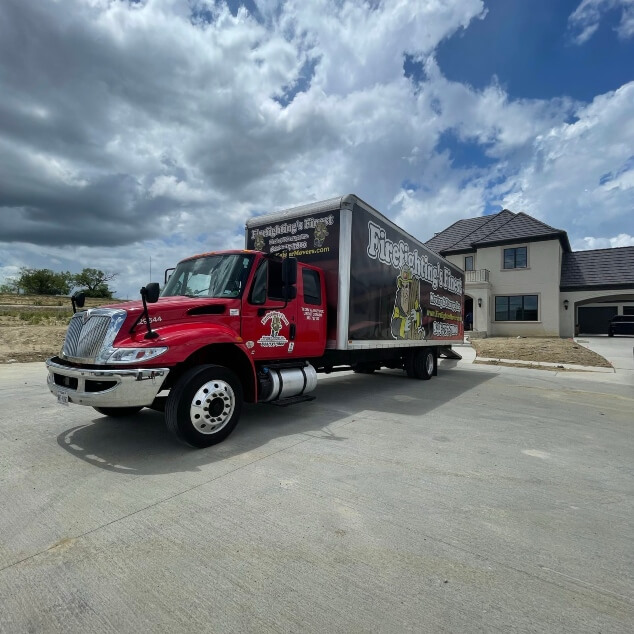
x=448, y=353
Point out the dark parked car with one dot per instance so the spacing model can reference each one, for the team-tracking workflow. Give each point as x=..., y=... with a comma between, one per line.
x=621, y=325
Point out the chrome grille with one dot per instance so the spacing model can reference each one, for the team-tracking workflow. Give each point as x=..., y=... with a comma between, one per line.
x=89, y=332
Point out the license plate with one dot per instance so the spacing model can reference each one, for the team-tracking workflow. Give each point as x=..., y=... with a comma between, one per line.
x=62, y=398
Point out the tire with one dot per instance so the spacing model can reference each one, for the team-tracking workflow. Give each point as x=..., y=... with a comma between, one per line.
x=118, y=412
x=204, y=406
x=610, y=333
x=420, y=364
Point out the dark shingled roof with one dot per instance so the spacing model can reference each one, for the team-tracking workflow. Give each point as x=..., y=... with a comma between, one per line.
x=455, y=233
x=501, y=228
x=601, y=268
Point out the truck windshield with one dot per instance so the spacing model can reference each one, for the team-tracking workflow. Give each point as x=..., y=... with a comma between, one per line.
x=221, y=276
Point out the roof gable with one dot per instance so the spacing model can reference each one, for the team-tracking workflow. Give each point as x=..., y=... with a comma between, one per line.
x=455, y=233
x=521, y=227
x=502, y=228
x=493, y=224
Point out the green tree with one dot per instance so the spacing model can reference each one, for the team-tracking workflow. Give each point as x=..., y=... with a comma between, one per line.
x=44, y=281
x=94, y=283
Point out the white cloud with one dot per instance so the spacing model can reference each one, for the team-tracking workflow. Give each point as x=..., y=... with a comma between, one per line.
x=589, y=243
x=585, y=19
x=156, y=129
x=579, y=176
x=424, y=214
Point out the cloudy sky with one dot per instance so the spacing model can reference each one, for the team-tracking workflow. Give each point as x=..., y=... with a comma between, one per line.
x=152, y=129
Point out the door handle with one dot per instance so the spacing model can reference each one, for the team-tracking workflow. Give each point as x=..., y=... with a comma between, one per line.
x=292, y=332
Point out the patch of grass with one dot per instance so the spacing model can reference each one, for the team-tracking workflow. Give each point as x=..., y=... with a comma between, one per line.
x=39, y=317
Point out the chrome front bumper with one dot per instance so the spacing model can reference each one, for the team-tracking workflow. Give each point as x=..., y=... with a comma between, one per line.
x=105, y=388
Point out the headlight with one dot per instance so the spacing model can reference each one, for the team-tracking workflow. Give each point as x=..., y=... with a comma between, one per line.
x=134, y=355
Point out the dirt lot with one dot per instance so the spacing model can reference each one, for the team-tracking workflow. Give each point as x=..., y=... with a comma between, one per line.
x=32, y=327
x=29, y=343
x=546, y=349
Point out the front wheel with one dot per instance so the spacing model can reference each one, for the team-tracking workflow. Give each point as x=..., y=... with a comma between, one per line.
x=420, y=364
x=118, y=412
x=204, y=406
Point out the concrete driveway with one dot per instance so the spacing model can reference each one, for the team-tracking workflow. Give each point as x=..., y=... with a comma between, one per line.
x=618, y=350
x=488, y=499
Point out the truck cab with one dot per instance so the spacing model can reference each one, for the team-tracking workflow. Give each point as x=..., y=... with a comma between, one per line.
x=240, y=325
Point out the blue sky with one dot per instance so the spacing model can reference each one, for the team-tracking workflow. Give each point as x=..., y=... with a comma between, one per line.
x=155, y=128
x=529, y=47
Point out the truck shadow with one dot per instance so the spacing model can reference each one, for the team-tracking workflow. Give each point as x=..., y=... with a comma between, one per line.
x=142, y=445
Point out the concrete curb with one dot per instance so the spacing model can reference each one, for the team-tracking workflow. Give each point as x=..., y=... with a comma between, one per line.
x=536, y=364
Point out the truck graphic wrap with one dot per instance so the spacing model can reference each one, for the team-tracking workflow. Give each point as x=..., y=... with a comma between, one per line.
x=407, y=318
x=398, y=288
x=277, y=321
x=313, y=239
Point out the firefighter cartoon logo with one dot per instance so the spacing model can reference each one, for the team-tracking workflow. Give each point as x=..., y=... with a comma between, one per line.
x=276, y=324
x=320, y=233
x=407, y=316
x=259, y=242
x=277, y=321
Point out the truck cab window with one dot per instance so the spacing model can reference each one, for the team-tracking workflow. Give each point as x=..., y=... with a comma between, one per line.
x=258, y=290
x=209, y=276
x=274, y=290
x=267, y=282
x=312, y=287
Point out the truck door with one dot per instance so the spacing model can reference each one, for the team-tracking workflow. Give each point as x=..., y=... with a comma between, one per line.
x=311, y=312
x=269, y=328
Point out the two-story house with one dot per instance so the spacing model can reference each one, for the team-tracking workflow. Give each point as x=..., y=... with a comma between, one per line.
x=522, y=278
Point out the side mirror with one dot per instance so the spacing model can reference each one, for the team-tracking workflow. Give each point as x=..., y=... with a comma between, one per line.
x=78, y=300
x=152, y=292
x=168, y=274
x=289, y=271
x=290, y=292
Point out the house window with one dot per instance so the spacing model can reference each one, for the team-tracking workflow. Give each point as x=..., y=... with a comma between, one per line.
x=516, y=308
x=468, y=263
x=515, y=258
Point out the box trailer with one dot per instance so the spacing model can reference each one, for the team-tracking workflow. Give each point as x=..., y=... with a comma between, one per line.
x=385, y=289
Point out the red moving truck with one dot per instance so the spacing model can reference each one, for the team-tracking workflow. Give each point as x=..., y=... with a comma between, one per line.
x=328, y=286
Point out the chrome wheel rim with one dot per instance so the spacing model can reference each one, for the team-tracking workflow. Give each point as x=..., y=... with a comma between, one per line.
x=212, y=407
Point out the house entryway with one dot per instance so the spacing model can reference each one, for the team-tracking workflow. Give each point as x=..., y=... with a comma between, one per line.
x=467, y=315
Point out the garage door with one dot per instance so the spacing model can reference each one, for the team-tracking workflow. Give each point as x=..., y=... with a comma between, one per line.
x=593, y=320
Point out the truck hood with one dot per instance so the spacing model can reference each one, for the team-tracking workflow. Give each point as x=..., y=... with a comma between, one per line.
x=176, y=309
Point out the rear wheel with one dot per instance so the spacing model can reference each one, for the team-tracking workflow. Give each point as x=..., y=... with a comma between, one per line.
x=118, y=412
x=204, y=406
x=420, y=364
